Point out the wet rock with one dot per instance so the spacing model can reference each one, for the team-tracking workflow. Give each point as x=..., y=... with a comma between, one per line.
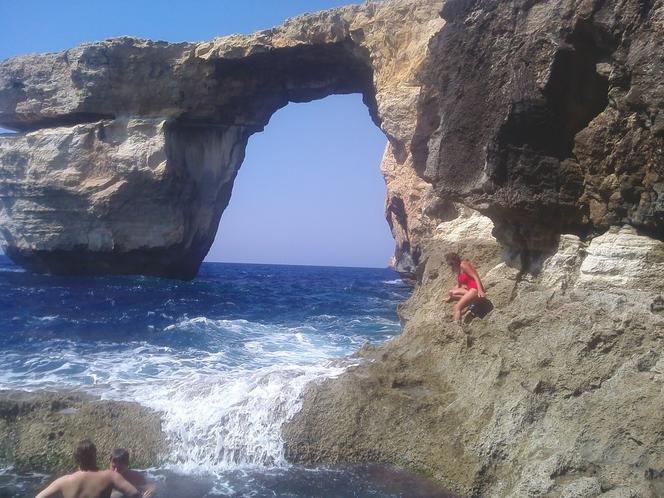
x=39, y=431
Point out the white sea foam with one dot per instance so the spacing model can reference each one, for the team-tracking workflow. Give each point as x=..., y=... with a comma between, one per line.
x=233, y=420
x=220, y=411
x=12, y=270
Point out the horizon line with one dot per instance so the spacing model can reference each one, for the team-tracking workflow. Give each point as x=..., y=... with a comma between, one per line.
x=386, y=267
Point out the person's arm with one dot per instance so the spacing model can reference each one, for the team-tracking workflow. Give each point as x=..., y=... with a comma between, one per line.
x=149, y=490
x=468, y=268
x=139, y=480
x=51, y=490
x=121, y=484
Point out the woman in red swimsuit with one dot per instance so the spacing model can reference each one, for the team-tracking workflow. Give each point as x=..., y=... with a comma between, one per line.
x=469, y=288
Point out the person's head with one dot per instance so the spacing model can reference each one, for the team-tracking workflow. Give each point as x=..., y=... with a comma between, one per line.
x=119, y=460
x=85, y=455
x=454, y=260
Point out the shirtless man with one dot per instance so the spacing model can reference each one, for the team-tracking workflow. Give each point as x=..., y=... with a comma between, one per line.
x=89, y=481
x=120, y=464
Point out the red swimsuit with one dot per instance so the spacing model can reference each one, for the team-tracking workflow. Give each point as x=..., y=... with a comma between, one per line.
x=467, y=280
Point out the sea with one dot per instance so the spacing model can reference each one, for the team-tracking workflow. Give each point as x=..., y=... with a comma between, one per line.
x=223, y=358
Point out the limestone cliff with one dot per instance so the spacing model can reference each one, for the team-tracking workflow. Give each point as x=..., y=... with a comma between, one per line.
x=526, y=134
x=557, y=392
x=543, y=117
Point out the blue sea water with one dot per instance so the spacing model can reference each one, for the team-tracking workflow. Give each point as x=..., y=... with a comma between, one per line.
x=224, y=359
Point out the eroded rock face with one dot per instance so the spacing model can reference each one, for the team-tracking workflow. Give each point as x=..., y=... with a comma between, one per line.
x=121, y=196
x=555, y=393
x=546, y=115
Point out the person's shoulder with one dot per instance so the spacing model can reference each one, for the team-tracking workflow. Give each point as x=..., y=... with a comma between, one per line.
x=73, y=476
x=64, y=479
x=105, y=474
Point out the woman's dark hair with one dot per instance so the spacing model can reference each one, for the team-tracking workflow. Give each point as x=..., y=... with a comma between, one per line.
x=85, y=455
x=120, y=455
x=453, y=259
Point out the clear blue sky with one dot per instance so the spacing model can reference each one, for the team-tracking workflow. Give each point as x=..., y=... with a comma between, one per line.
x=309, y=191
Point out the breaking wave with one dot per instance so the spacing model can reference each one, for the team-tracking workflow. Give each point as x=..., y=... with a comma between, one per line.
x=224, y=358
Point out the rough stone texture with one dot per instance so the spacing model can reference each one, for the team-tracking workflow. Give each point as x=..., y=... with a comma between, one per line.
x=129, y=196
x=558, y=392
x=546, y=115
x=622, y=258
x=413, y=211
x=39, y=431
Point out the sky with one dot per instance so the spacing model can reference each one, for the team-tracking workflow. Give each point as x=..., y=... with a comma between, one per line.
x=309, y=191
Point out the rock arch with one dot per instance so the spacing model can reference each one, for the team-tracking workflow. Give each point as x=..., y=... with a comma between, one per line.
x=129, y=148
x=534, y=113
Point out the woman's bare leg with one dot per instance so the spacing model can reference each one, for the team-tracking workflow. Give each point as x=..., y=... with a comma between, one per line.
x=455, y=294
x=466, y=300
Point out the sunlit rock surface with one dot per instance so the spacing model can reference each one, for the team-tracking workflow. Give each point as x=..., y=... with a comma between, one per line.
x=557, y=392
x=108, y=197
x=545, y=117
x=39, y=430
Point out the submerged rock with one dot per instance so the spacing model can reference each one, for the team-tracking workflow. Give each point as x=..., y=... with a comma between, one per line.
x=39, y=431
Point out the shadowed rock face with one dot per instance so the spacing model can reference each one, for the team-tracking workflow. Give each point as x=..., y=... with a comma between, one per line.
x=546, y=115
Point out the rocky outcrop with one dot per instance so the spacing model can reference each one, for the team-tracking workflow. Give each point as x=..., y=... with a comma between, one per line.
x=544, y=116
x=123, y=196
x=39, y=431
x=555, y=393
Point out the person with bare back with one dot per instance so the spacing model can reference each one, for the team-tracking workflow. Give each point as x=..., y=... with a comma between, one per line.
x=120, y=464
x=89, y=481
x=469, y=285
